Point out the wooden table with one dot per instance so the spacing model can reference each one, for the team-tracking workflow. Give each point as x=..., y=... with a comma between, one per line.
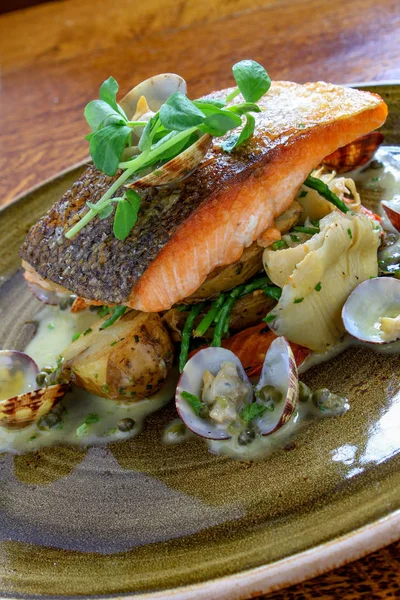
x=54, y=56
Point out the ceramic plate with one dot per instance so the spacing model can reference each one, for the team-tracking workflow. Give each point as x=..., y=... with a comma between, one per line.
x=140, y=517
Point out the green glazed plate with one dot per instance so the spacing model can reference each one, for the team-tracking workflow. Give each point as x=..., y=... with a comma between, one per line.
x=141, y=518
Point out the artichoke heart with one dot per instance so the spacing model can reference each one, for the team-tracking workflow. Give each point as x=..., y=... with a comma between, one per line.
x=317, y=276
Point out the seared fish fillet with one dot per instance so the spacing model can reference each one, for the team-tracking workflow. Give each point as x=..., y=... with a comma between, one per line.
x=206, y=221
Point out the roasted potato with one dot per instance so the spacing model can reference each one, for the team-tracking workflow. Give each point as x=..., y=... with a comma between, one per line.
x=127, y=361
x=249, y=264
x=246, y=312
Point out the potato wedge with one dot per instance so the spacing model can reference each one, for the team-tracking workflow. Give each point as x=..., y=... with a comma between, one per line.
x=127, y=361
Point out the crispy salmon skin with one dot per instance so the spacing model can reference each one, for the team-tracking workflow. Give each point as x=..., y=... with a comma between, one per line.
x=206, y=221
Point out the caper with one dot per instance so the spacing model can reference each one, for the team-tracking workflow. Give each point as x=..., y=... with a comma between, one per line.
x=126, y=424
x=41, y=378
x=304, y=392
x=204, y=412
x=47, y=370
x=269, y=393
x=247, y=436
x=328, y=403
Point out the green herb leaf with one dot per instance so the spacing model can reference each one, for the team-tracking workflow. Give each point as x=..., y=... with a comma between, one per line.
x=252, y=79
x=170, y=152
x=108, y=92
x=318, y=287
x=203, y=103
x=150, y=130
x=126, y=214
x=194, y=401
x=106, y=147
x=76, y=336
x=219, y=122
x=252, y=411
x=179, y=113
x=236, y=140
x=98, y=114
x=91, y=418
x=106, y=212
x=244, y=108
x=298, y=300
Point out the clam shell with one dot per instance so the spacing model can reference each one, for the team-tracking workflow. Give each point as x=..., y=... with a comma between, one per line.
x=23, y=410
x=393, y=213
x=12, y=361
x=369, y=301
x=354, y=155
x=280, y=371
x=191, y=381
x=178, y=168
x=156, y=90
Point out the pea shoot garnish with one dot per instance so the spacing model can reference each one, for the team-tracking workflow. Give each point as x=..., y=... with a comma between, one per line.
x=176, y=127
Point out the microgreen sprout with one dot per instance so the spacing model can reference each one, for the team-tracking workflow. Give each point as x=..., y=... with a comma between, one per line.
x=177, y=125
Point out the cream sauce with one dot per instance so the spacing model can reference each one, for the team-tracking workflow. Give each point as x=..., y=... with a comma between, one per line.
x=88, y=419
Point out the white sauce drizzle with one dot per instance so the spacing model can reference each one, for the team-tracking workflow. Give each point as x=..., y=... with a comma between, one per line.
x=44, y=348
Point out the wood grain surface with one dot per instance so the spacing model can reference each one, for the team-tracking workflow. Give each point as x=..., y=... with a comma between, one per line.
x=53, y=58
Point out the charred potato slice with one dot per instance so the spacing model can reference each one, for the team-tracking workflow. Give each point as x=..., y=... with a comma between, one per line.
x=127, y=361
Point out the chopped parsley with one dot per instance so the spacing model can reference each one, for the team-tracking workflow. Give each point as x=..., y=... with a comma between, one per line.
x=252, y=411
x=318, y=287
x=193, y=401
x=298, y=300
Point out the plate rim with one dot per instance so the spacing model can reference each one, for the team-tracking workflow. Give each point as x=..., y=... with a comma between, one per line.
x=292, y=569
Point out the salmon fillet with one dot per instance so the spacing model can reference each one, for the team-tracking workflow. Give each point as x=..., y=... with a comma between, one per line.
x=207, y=220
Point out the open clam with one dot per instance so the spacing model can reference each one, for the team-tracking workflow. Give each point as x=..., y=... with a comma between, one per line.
x=178, y=168
x=156, y=90
x=372, y=311
x=279, y=378
x=195, y=374
x=21, y=403
x=215, y=398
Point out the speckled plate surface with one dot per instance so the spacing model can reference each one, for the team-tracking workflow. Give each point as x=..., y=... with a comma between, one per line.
x=141, y=517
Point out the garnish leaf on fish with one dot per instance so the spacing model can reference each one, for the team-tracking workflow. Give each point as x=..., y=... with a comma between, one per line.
x=172, y=129
x=126, y=214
